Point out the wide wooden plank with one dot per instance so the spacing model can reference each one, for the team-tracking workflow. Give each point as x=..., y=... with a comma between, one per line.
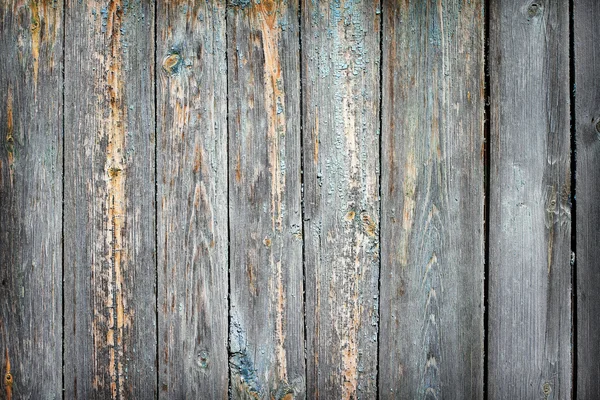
x=432, y=199
x=31, y=46
x=586, y=14
x=266, y=315
x=530, y=219
x=340, y=61
x=109, y=227
x=192, y=199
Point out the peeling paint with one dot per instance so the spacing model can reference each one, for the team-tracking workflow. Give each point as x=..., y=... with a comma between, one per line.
x=244, y=377
x=241, y=3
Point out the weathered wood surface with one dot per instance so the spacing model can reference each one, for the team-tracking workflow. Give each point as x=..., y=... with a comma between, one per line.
x=432, y=200
x=586, y=14
x=340, y=91
x=192, y=199
x=109, y=220
x=529, y=349
x=266, y=310
x=228, y=243
x=31, y=45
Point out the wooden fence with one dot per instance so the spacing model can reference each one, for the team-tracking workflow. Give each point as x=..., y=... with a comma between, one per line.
x=299, y=199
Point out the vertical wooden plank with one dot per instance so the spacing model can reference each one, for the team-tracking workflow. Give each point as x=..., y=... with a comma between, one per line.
x=192, y=199
x=586, y=14
x=432, y=196
x=109, y=238
x=266, y=315
x=340, y=60
x=530, y=223
x=31, y=45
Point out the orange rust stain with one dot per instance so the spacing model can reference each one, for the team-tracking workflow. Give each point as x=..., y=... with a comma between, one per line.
x=368, y=225
x=10, y=141
x=265, y=16
x=115, y=201
x=182, y=116
x=8, y=378
x=197, y=159
x=36, y=34
x=197, y=196
x=350, y=215
x=238, y=168
x=251, y=279
x=482, y=152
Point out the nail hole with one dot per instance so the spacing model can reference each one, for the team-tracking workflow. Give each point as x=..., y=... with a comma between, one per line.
x=172, y=63
x=547, y=388
x=533, y=10
x=203, y=359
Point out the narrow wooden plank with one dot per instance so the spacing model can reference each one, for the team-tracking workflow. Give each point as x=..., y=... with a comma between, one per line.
x=340, y=60
x=530, y=223
x=267, y=324
x=31, y=46
x=109, y=237
x=586, y=14
x=432, y=197
x=192, y=199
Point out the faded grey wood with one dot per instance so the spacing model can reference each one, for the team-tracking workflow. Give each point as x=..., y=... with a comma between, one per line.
x=432, y=199
x=340, y=90
x=529, y=348
x=266, y=316
x=109, y=221
x=192, y=200
x=586, y=15
x=30, y=199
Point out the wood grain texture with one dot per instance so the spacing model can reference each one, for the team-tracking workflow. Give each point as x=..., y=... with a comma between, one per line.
x=192, y=199
x=109, y=227
x=530, y=218
x=432, y=236
x=30, y=199
x=266, y=315
x=340, y=61
x=586, y=15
